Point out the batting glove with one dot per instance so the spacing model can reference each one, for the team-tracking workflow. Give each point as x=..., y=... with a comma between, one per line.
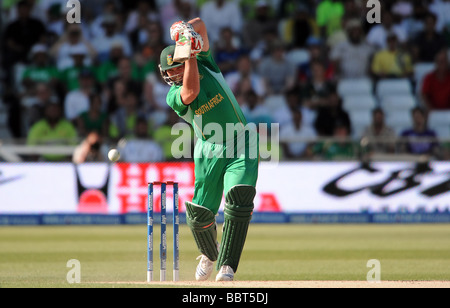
x=188, y=36
x=196, y=43
x=179, y=27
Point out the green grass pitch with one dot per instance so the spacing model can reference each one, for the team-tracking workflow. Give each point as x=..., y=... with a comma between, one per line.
x=37, y=256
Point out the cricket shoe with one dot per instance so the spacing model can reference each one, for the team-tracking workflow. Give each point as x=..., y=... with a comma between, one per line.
x=226, y=273
x=204, y=268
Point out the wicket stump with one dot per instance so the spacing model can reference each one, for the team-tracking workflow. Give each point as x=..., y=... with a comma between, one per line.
x=163, y=244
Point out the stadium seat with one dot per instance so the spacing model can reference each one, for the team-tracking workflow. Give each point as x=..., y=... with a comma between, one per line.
x=439, y=121
x=360, y=119
x=439, y=117
x=399, y=120
x=442, y=132
x=350, y=87
x=298, y=56
x=393, y=87
x=398, y=102
x=420, y=71
x=359, y=102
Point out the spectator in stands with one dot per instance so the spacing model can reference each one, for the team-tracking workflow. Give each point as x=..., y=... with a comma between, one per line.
x=378, y=34
x=340, y=148
x=149, y=41
x=140, y=147
x=316, y=90
x=352, y=57
x=243, y=87
x=155, y=92
x=129, y=76
x=154, y=43
x=317, y=53
x=32, y=105
x=19, y=37
x=103, y=44
x=73, y=38
x=263, y=47
x=219, y=14
x=295, y=102
x=381, y=138
x=278, y=74
x=337, y=37
x=428, y=42
x=115, y=95
x=40, y=69
x=77, y=101
x=70, y=76
x=392, y=62
x=245, y=71
x=144, y=8
x=329, y=14
x=108, y=69
x=254, y=28
x=55, y=19
x=413, y=15
x=94, y=119
x=331, y=113
x=285, y=8
x=91, y=149
x=107, y=7
x=227, y=52
x=139, y=35
x=187, y=9
x=420, y=140
x=299, y=137
x=254, y=110
x=249, y=8
x=296, y=29
x=123, y=121
x=183, y=135
x=53, y=129
x=436, y=85
x=402, y=10
x=353, y=9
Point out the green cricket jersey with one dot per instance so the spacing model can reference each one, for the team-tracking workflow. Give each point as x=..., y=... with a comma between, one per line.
x=214, y=104
x=41, y=74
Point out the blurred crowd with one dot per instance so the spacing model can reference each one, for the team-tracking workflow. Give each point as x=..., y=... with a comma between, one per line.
x=98, y=82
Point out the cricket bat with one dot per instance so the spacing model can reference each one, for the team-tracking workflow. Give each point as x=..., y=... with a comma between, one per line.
x=182, y=49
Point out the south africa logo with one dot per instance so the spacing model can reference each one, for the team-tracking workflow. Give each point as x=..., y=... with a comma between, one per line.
x=169, y=60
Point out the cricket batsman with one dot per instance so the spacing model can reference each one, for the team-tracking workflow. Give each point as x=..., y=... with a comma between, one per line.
x=225, y=163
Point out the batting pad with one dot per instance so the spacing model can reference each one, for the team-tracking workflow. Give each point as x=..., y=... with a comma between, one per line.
x=238, y=213
x=203, y=226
